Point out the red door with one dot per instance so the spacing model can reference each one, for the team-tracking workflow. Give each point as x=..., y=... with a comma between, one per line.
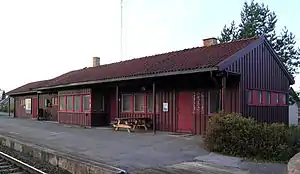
x=34, y=108
x=185, y=112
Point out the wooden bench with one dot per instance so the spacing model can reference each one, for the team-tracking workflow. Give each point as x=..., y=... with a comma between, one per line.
x=131, y=123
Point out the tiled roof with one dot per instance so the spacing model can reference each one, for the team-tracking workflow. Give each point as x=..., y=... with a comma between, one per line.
x=28, y=87
x=187, y=59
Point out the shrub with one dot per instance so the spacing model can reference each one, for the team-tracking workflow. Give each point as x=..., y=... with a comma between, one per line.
x=235, y=135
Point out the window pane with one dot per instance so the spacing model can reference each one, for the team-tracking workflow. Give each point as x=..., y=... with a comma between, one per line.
x=260, y=97
x=284, y=99
x=269, y=98
x=126, y=103
x=139, y=102
x=86, y=102
x=101, y=103
x=62, y=104
x=249, y=97
x=149, y=103
x=28, y=106
x=214, y=101
x=70, y=103
x=76, y=103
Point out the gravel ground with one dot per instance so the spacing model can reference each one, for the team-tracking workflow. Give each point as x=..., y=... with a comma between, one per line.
x=45, y=167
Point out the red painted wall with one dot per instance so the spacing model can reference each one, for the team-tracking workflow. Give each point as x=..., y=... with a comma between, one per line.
x=65, y=117
x=20, y=109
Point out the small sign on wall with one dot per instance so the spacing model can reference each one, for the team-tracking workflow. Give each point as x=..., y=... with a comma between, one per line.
x=165, y=107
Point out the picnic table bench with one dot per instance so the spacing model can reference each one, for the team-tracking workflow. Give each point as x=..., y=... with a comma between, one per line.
x=132, y=123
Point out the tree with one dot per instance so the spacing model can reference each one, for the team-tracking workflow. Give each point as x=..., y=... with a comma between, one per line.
x=3, y=95
x=257, y=20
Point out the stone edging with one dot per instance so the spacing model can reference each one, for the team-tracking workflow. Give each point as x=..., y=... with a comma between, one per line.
x=293, y=166
x=64, y=161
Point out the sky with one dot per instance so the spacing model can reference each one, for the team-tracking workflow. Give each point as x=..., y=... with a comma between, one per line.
x=42, y=39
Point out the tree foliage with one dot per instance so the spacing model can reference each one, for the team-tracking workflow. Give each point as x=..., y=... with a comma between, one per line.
x=257, y=20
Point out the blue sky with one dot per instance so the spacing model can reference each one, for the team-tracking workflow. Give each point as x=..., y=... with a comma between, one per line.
x=43, y=39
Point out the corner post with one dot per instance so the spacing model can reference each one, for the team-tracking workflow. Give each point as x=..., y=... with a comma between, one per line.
x=38, y=103
x=8, y=106
x=223, y=93
x=154, y=107
x=117, y=101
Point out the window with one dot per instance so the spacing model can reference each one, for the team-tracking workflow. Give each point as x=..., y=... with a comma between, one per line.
x=86, y=102
x=101, y=103
x=126, y=103
x=259, y=97
x=214, y=101
x=149, y=103
x=269, y=98
x=77, y=103
x=249, y=97
x=70, y=103
x=62, y=103
x=28, y=106
x=139, y=102
x=277, y=98
x=54, y=101
x=284, y=99
x=46, y=103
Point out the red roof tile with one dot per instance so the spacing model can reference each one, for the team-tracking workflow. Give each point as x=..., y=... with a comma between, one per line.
x=187, y=59
x=28, y=87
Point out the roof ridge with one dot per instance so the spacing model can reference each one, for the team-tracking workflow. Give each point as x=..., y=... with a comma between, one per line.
x=169, y=52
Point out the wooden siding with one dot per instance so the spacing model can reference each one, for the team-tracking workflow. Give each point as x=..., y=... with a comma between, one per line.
x=83, y=119
x=165, y=121
x=53, y=109
x=260, y=71
x=20, y=109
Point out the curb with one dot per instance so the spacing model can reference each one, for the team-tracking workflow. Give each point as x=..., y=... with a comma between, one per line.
x=68, y=162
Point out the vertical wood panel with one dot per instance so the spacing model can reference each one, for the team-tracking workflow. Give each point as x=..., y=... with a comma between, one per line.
x=260, y=71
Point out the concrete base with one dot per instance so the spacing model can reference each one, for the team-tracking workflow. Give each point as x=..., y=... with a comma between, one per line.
x=64, y=161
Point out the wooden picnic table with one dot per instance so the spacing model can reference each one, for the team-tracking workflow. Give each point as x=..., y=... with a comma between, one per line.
x=131, y=123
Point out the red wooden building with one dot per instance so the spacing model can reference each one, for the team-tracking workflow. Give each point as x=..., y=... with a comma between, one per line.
x=179, y=90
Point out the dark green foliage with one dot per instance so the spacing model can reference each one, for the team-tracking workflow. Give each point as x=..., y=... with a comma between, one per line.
x=3, y=96
x=257, y=20
x=235, y=135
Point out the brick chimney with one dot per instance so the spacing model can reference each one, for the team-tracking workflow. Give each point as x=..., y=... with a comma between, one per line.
x=96, y=61
x=210, y=41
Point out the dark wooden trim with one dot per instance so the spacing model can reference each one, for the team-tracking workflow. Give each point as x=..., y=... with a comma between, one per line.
x=226, y=63
x=142, y=76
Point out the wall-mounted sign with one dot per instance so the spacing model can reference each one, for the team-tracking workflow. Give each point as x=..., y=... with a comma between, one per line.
x=165, y=107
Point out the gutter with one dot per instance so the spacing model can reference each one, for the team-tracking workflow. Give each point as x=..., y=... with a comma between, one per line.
x=133, y=78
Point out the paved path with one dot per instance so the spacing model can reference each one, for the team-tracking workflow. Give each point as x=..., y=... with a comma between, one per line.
x=131, y=152
x=120, y=149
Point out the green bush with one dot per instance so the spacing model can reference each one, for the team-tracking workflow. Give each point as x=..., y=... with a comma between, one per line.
x=235, y=135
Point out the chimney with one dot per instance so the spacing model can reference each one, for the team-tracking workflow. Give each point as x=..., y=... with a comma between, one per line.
x=210, y=41
x=96, y=61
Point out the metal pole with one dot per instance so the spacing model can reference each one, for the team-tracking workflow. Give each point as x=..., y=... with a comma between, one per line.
x=121, y=36
x=117, y=101
x=8, y=106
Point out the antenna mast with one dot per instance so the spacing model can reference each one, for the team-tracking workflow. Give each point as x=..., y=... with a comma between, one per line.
x=121, y=37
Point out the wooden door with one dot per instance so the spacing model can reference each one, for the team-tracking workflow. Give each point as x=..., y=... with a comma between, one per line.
x=185, y=112
x=34, y=108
